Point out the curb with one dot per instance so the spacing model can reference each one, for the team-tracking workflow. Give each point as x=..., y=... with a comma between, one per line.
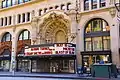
x=47, y=77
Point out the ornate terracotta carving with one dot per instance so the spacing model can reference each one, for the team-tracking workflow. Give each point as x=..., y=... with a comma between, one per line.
x=21, y=44
x=112, y=12
x=51, y=24
x=5, y=45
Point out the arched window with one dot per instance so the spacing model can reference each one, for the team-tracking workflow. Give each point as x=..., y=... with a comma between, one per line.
x=9, y=3
x=102, y=3
x=51, y=8
x=20, y=1
x=56, y=7
x=86, y=4
x=40, y=12
x=94, y=4
x=13, y=2
x=97, y=35
x=45, y=10
x=62, y=7
x=24, y=35
x=68, y=6
x=3, y=3
x=6, y=37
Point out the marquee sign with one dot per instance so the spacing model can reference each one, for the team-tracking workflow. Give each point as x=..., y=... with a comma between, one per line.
x=50, y=50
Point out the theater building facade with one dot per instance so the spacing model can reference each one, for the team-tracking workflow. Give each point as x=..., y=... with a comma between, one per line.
x=44, y=35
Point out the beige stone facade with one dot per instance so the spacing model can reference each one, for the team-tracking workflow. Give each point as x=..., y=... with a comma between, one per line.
x=49, y=24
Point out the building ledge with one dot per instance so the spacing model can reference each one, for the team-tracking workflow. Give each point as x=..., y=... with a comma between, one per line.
x=105, y=52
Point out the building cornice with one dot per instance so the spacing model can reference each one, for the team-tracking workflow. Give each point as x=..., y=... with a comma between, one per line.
x=16, y=25
x=105, y=9
x=21, y=5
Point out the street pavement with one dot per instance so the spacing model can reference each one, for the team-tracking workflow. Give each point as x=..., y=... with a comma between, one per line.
x=27, y=78
x=30, y=78
x=46, y=76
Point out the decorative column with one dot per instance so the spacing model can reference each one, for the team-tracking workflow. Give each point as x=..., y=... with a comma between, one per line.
x=75, y=35
x=13, y=53
x=116, y=37
x=114, y=33
x=21, y=21
x=72, y=15
x=90, y=5
x=0, y=4
x=34, y=25
x=26, y=17
x=98, y=4
x=82, y=5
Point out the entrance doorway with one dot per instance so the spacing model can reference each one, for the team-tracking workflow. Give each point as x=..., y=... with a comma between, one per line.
x=23, y=65
x=53, y=65
x=64, y=66
x=4, y=65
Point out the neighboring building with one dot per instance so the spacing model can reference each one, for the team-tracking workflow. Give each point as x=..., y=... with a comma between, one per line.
x=40, y=25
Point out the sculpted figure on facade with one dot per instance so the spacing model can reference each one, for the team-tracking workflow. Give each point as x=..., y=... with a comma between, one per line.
x=112, y=12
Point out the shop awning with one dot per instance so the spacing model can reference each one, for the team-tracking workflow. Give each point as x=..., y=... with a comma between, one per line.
x=51, y=56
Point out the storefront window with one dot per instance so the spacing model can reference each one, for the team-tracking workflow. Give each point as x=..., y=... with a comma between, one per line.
x=8, y=3
x=20, y=1
x=90, y=59
x=26, y=0
x=86, y=5
x=13, y=2
x=106, y=42
x=97, y=43
x=97, y=35
x=106, y=27
x=4, y=4
x=24, y=35
x=88, y=29
x=96, y=25
x=94, y=4
x=23, y=65
x=6, y=37
x=102, y=3
x=34, y=65
x=88, y=44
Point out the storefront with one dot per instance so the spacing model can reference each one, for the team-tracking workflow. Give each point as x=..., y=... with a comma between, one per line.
x=97, y=43
x=22, y=62
x=89, y=58
x=51, y=58
x=5, y=58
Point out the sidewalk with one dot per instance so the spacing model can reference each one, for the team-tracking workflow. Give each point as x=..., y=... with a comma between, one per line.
x=45, y=75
